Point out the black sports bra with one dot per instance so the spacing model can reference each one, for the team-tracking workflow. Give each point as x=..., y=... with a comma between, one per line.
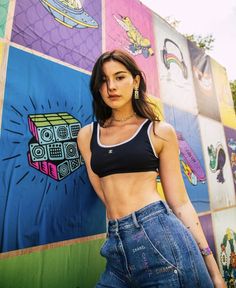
x=133, y=155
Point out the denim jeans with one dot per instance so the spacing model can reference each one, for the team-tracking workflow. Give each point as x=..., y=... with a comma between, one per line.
x=152, y=248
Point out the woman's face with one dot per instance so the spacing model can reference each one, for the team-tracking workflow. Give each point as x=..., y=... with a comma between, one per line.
x=118, y=85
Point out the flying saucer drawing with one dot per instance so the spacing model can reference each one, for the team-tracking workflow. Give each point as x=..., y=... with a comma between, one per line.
x=69, y=13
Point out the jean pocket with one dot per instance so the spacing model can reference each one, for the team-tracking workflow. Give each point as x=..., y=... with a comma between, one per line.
x=103, y=247
x=164, y=253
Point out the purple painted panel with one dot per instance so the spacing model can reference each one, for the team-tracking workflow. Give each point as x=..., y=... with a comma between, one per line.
x=69, y=32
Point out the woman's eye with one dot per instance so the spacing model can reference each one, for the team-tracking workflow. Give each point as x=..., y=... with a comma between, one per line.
x=120, y=77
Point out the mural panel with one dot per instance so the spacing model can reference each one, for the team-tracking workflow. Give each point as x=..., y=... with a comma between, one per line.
x=219, y=175
x=224, y=96
x=191, y=156
x=3, y=12
x=230, y=135
x=176, y=82
x=203, y=81
x=225, y=235
x=46, y=195
x=126, y=30
x=67, y=30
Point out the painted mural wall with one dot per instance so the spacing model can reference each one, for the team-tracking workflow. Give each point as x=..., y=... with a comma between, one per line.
x=52, y=225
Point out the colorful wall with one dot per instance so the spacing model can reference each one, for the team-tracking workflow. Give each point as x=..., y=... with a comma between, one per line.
x=51, y=222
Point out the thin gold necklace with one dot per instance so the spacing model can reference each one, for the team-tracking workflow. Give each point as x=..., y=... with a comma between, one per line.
x=124, y=118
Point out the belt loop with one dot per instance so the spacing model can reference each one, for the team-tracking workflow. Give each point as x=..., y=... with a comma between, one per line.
x=167, y=207
x=107, y=232
x=116, y=226
x=135, y=220
x=107, y=228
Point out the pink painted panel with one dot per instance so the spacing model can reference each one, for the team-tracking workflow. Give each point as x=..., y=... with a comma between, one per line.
x=129, y=26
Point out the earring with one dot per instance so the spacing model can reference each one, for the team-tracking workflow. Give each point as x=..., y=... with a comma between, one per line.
x=136, y=93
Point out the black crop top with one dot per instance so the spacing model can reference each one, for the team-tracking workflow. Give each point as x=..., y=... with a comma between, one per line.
x=133, y=155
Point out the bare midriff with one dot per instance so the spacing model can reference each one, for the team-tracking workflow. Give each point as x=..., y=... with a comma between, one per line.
x=125, y=193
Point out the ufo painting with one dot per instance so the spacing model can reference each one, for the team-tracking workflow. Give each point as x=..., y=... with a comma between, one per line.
x=70, y=13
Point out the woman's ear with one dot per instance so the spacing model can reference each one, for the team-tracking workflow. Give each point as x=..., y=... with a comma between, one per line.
x=136, y=81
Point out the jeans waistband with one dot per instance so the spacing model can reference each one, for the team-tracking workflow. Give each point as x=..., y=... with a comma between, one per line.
x=136, y=217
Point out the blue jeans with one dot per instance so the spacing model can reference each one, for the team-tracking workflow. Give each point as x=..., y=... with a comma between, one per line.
x=152, y=248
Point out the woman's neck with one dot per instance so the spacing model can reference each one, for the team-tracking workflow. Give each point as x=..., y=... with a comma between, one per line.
x=122, y=115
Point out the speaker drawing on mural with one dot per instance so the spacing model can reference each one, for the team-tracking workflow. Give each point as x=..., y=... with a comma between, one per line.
x=69, y=13
x=217, y=160
x=138, y=43
x=53, y=148
x=169, y=58
x=229, y=262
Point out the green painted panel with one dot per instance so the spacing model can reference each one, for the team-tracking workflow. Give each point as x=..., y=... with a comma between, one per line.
x=75, y=266
x=3, y=16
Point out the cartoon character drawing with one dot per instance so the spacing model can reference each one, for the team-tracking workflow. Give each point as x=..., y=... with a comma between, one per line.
x=69, y=13
x=217, y=160
x=138, y=43
x=189, y=161
x=229, y=263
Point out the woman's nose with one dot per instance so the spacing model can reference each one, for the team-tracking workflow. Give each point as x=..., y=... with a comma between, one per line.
x=111, y=85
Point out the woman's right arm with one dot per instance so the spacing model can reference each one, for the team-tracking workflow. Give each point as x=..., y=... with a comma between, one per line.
x=83, y=141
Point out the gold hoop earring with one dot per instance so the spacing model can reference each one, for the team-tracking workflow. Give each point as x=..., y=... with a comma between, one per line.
x=136, y=93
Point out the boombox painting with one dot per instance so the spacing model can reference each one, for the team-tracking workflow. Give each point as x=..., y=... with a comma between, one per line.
x=53, y=149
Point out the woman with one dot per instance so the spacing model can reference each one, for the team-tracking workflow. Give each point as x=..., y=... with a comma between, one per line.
x=147, y=245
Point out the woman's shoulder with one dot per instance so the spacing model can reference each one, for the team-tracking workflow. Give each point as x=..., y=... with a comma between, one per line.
x=165, y=131
x=164, y=127
x=85, y=132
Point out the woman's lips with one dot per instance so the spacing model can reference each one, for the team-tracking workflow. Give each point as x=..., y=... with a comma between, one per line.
x=114, y=97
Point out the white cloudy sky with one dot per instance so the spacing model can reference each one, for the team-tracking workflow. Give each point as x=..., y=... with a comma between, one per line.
x=205, y=17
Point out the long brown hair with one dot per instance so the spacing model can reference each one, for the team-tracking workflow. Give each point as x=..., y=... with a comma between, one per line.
x=142, y=107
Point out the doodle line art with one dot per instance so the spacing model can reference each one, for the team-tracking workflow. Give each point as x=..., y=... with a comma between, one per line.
x=53, y=148
x=69, y=13
x=138, y=43
x=217, y=160
x=169, y=58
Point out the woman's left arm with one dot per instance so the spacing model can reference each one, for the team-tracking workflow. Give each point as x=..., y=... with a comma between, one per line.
x=166, y=145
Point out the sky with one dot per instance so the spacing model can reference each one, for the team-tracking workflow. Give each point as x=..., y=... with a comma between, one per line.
x=204, y=17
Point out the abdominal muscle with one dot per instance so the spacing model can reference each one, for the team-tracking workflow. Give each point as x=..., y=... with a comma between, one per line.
x=125, y=193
